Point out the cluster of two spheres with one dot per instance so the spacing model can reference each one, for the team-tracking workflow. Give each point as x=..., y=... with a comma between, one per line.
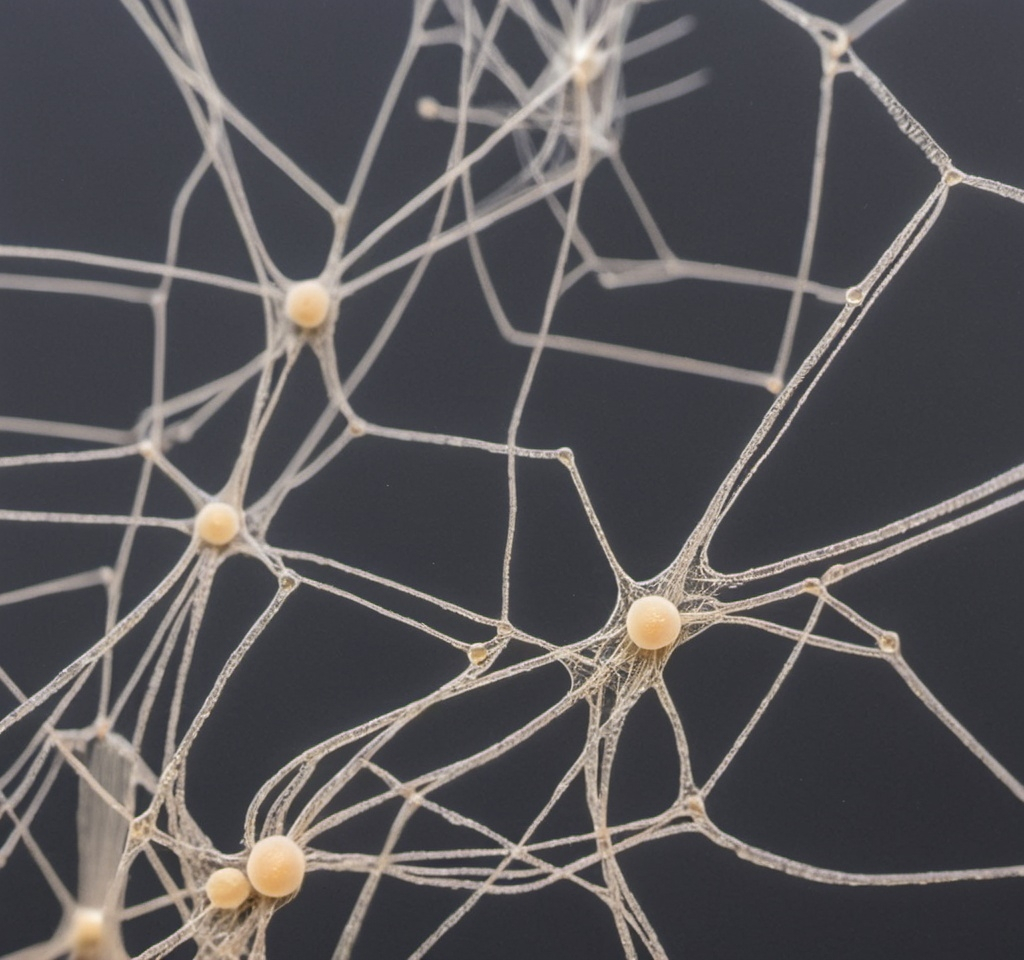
x=277, y=865
x=275, y=868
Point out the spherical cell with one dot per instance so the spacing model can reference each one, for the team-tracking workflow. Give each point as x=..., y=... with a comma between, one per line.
x=428, y=108
x=477, y=653
x=86, y=930
x=218, y=523
x=228, y=888
x=653, y=622
x=307, y=303
x=276, y=866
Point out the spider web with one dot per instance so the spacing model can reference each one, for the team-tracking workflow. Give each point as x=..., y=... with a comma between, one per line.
x=626, y=299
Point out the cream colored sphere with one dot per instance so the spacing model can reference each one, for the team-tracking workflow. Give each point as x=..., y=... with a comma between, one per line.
x=477, y=653
x=653, y=622
x=228, y=888
x=307, y=304
x=218, y=523
x=86, y=934
x=276, y=866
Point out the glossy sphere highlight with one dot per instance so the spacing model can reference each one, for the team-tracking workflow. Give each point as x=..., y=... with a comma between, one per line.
x=307, y=303
x=653, y=622
x=217, y=524
x=276, y=866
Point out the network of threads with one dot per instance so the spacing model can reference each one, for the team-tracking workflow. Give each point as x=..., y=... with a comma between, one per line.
x=125, y=772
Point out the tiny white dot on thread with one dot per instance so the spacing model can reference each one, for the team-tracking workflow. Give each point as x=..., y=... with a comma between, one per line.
x=428, y=108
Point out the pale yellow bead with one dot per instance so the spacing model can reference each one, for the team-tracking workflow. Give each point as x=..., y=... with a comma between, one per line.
x=477, y=653
x=428, y=108
x=86, y=935
x=276, y=866
x=307, y=303
x=653, y=622
x=218, y=523
x=228, y=888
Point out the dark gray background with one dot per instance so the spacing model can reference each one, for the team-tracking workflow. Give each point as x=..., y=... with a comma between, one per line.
x=846, y=770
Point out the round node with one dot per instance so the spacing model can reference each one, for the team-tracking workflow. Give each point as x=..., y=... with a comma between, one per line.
x=477, y=653
x=357, y=427
x=140, y=828
x=428, y=108
x=889, y=641
x=307, y=303
x=228, y=888
x=276, y=866
x=695, y=806
x=839, y=48
x=854, y=296
x=565, y=456
x=774, y=385
x=86, y=930
x=653, y=622
x=217, y=523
